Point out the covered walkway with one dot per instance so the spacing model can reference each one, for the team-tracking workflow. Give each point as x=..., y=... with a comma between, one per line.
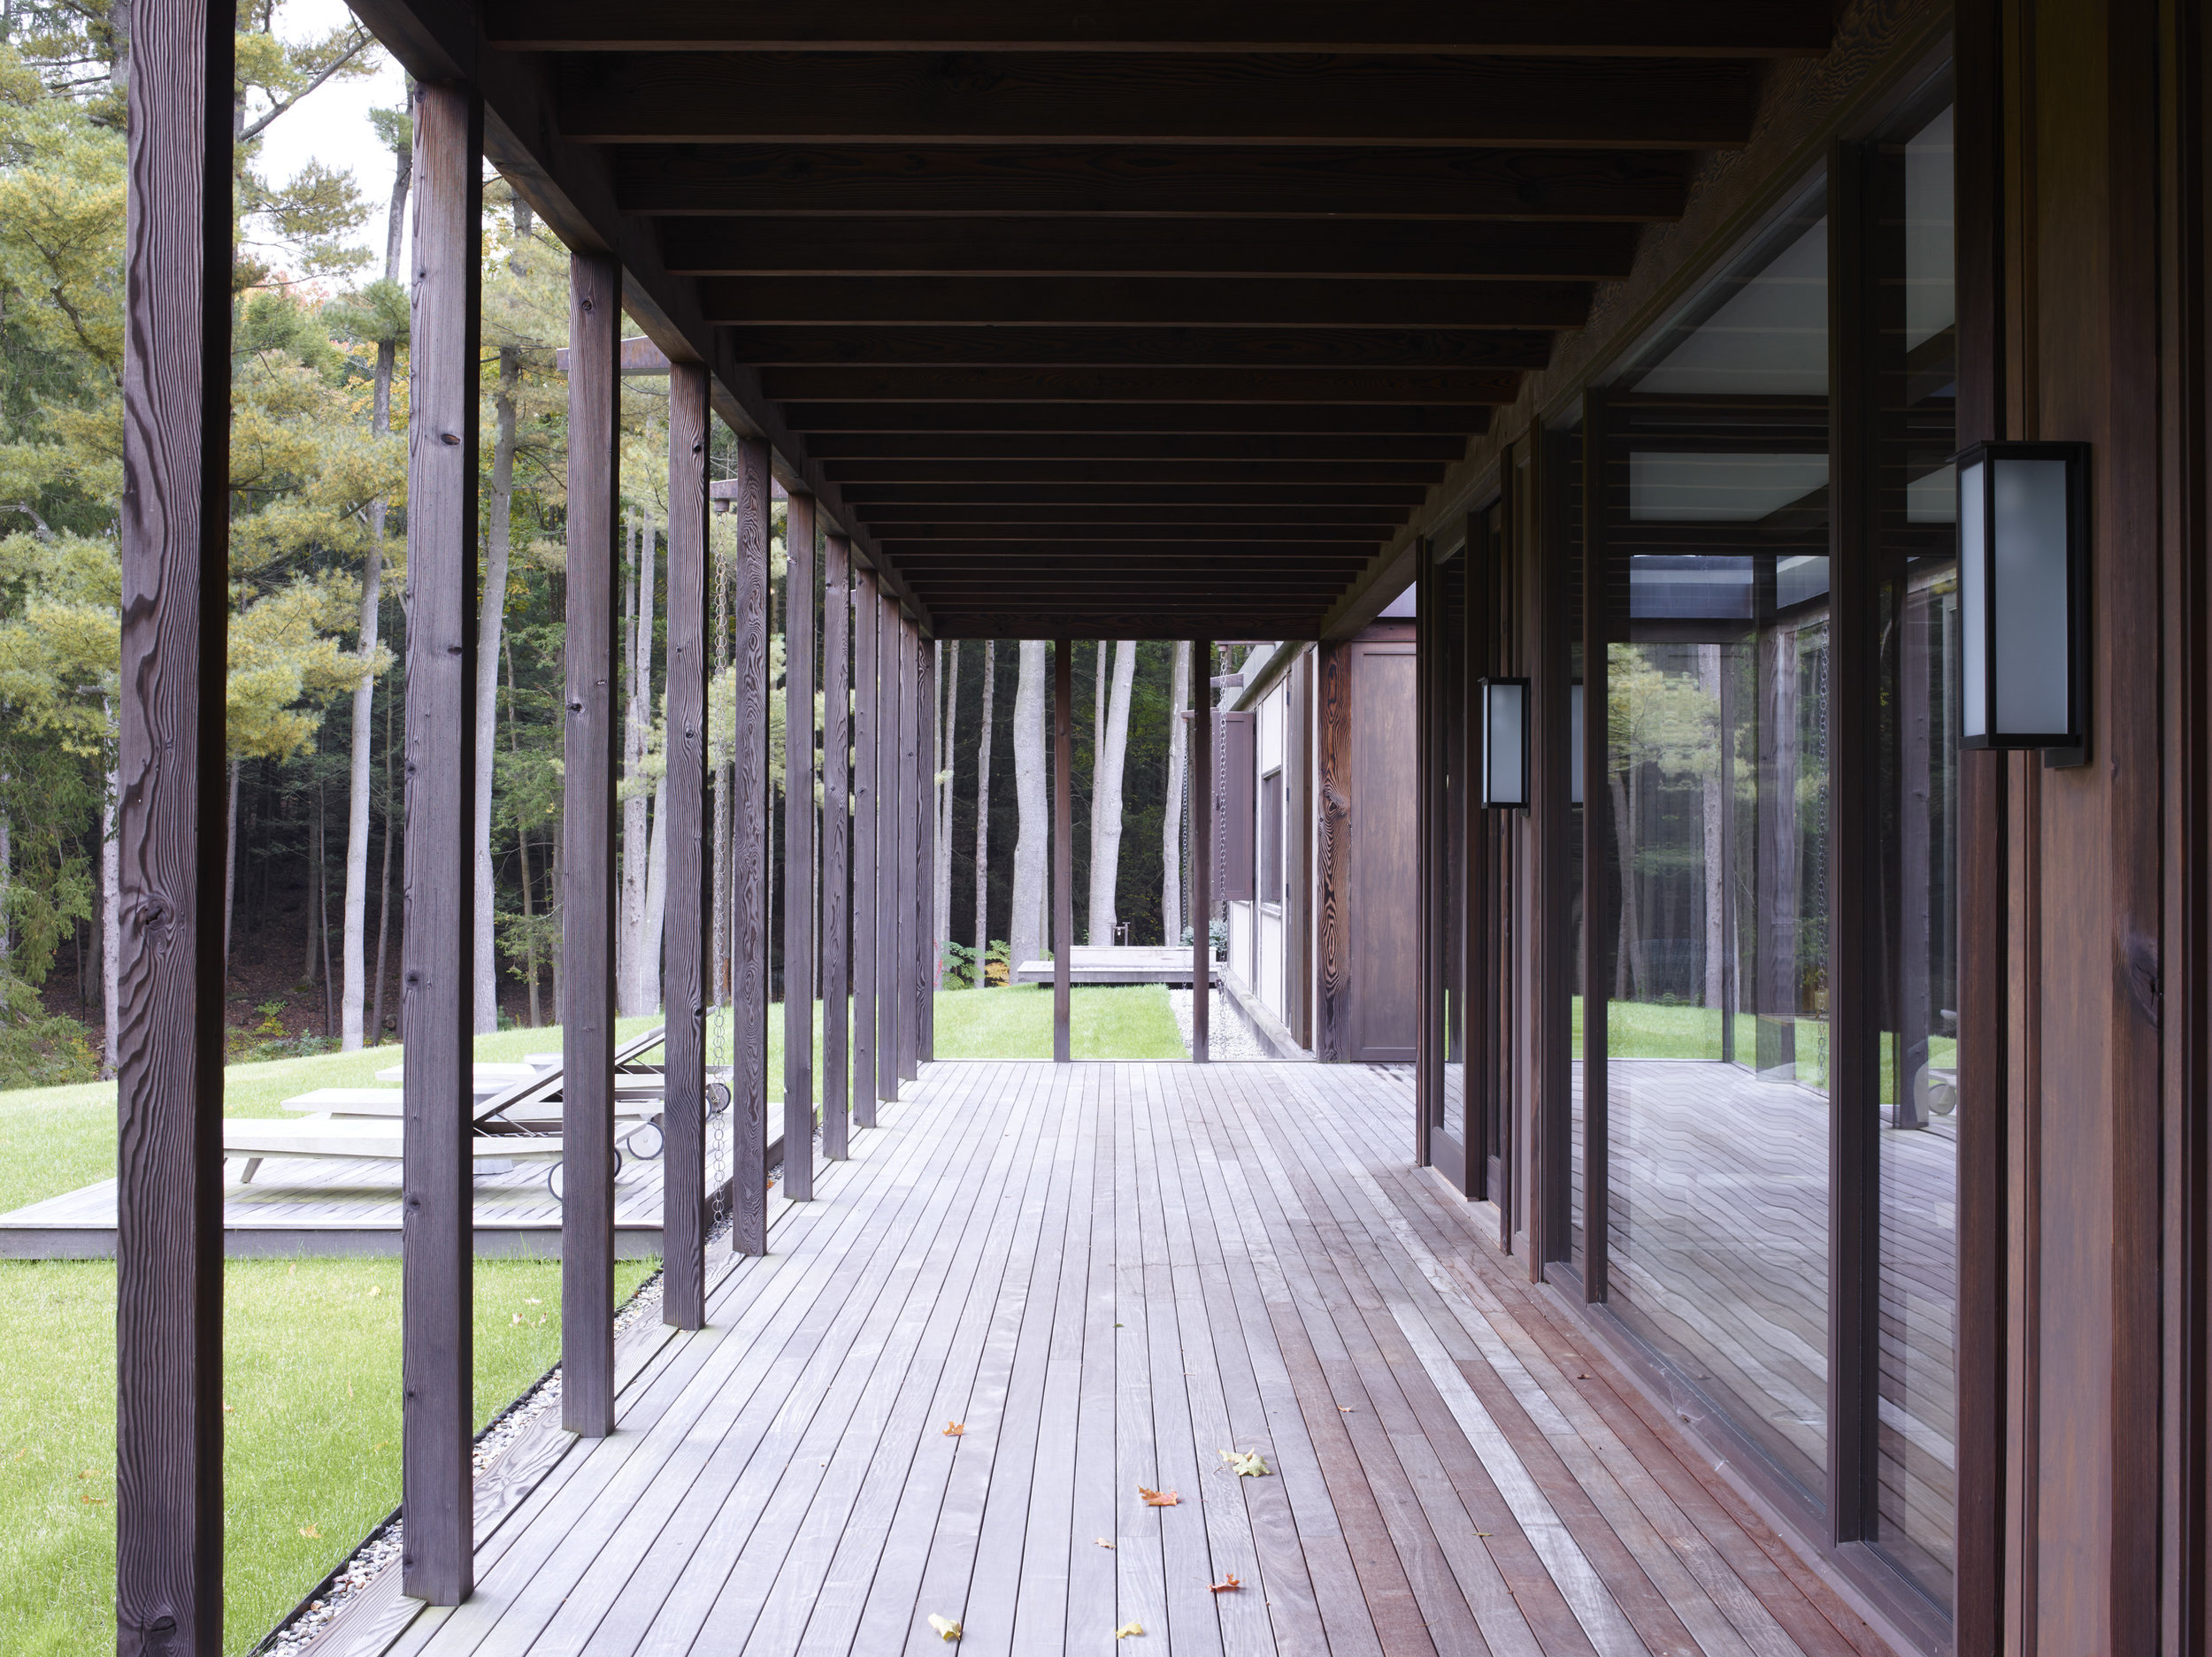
x=1109, y=1275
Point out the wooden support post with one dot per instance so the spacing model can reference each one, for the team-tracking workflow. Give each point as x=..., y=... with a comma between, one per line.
x=837, y=563
x=1062, y=842
x=913, y=846
x=588, y=889
x=684, y=1154
x=437, y=970
x=890, y=837
x=798, y=851
x=748, y=815
x=1203, y=783
x=169, y=1059
x=934, y=945
x=867, y=899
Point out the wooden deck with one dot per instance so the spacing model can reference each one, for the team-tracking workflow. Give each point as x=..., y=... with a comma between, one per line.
x=1111, y=1274
x=1117, y=964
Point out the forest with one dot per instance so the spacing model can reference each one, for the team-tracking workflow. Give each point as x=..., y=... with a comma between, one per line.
x=318, y=604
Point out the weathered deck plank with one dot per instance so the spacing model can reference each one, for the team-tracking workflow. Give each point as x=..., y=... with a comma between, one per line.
x=1110, y=1273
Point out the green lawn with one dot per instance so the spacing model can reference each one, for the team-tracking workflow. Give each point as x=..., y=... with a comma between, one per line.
x=1016, y=1023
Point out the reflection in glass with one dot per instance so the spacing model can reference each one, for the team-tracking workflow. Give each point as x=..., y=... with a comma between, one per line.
x=1916, y=1246
x=1715, y=946
x=1452, y=632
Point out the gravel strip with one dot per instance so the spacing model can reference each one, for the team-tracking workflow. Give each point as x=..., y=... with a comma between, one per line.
x=1227, y=1036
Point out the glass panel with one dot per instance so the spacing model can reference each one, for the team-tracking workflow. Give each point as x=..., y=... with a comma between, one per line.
x=1716, y=734
x=1504, y=738
x=1930, y=679
x=2028, y=588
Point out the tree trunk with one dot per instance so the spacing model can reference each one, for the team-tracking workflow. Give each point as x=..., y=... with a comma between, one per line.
x=6, y=863
x=230, y=863
x=384, y=884
x=1029, y=796
x=1110, y=757
x=354, y=950
x=1172, y=813
x=638, y=978
x=948, y=675
x=322, y=907
x=648, y=954
x=522, y=839
x=983, y=813
x=491, y=619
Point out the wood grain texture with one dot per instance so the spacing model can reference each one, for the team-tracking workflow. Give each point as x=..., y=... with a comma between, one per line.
x=940, y=789
x=1063, y=841
x=1205, y=784
x=913, y=887
x=921, y=940
x=1056, y=245
x=175, y=560
x=836, y=840
x=587, y=853
x=437, y=1001
x=867, y=610
x=690, y=888
x=748, y=1129
x=1736, y=28
x=802, y=581
x=958, y=418
x=1157, y=301
x=1332, y=805
x=1137, y=353
x=1047, y=97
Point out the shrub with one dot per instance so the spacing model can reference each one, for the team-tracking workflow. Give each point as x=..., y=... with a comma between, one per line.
x=38, y=1050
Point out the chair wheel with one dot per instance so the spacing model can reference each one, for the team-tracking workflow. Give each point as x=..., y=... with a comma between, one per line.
x=718, y=1098
x=553, y=1181
x=647, y=1140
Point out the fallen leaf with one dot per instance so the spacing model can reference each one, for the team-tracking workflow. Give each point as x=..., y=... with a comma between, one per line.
x=310, y=1531
x=956, y=1429
x=92, y=1502
x=1344, y=1409
x=518, y=1317
x=1246, y=1463
x=1131, y=1627
x=532, y=1299
x=947, y=1628
x=1228, y=1584
x=1104, y=1543
x=1159, y=1499
x=373, y=1292
x=1582, y=1378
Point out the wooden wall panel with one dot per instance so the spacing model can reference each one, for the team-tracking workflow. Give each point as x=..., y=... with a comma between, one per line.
x=894, y=803
x=587, y=830
x=1383, y=846
x=1298, y=935
x=684, y=1118
x=175, y=552
x=1238, y=832
x=1332, y=963
x=913, y=877
x=748, y=1126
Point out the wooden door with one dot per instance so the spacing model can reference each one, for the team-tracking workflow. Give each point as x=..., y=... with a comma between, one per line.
x=1383, y=844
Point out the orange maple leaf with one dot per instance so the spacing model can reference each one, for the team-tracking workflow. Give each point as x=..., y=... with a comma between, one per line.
x=1228, y=1584
x=1159, y=1499
x=956, y=1429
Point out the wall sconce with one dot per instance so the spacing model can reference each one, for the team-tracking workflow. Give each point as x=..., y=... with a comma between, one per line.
x=1504, y=742
x=2024, y=592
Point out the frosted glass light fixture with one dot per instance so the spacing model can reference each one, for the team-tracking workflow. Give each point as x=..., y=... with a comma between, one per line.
x=1504, y=742
x=2023, y=586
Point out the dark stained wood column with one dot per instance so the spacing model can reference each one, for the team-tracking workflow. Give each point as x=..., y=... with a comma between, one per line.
x=684, y=1157
x=867, y=620
x=749, y=813
x=175, y=603
x=1062, y=842
x=913, y=845
x=1201, y=844
x=437, y=956
x=837, y=563
x=926, y=1035
x=893, y=789
x=587, y=919
x=798, y=851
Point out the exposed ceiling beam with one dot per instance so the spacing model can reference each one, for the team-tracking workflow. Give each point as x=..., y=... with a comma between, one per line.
x=1185, y=472
x=1074, y=553
x=1047, y=385
x=1143, y=302
x=1132, y=446
x=1319, y=523
x=1323, y=500
x=1755, y=29
x=1451, y=419
x=1208, y=620
x=802, y=244
x=1150, y=180
x=1147, y=349
x=1154, y=98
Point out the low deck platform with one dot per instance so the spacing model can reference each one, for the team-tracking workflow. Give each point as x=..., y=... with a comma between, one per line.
x=1106, y=1276
x=299, y=1206
x=1117, y=964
